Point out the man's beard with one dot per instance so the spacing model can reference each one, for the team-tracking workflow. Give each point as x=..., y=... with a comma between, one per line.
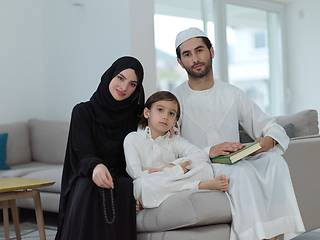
x=207, y=67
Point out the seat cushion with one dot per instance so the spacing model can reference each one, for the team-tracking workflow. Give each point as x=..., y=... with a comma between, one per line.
x=305, y=122
x=53, y=173
x=186, y=209
x=48, y=140
x=23, y=169
x=216, y=232
x=18, y=144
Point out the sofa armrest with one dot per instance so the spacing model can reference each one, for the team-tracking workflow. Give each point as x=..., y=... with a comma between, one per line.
x=303, y=158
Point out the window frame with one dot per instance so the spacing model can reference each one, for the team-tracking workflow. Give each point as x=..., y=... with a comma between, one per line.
x=278, y=105
x=278, y=78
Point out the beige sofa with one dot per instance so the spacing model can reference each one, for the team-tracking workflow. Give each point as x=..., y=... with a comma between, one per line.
x=202, y=215
x=35, y=149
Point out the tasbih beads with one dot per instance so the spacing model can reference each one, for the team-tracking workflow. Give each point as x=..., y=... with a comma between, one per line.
x=104, y=205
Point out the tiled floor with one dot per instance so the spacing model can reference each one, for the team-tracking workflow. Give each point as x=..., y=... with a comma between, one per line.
x=28, y=231
x=28, y=226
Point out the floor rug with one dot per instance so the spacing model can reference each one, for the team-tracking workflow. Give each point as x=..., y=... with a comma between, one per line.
x=29, y=231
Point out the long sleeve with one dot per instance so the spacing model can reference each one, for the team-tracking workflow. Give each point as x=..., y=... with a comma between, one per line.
x=214, y=116
x=257, y=124
x=139, y=155
x=81, y=149
x=142, y=151
x=188, y=151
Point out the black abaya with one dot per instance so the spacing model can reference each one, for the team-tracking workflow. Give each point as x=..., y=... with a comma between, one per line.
x=86, y=211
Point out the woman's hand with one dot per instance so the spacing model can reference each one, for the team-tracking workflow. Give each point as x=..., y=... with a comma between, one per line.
x=224, y=149
x=102, y=177
x=266, y=143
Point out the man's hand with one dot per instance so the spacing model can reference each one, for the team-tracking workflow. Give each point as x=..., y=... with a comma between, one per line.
x=138, y=206
x=224, y=148
x=266, y=143
x=102, y=177
x=173, y=132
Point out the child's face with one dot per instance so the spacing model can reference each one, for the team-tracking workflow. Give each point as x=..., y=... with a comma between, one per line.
x=161, y=117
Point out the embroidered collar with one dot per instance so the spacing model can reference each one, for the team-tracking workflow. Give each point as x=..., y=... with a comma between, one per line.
x=147, y=133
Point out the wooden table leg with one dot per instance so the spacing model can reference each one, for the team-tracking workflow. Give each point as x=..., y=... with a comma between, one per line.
x=15, y=217
x=39, y=214
x=6, y=219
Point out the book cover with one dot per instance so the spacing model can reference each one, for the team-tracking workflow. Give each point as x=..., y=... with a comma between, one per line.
x=233, y=157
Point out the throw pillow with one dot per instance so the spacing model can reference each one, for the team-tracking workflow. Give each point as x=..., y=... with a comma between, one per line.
x=3, y=151
x=245, y=138
x=289, y=128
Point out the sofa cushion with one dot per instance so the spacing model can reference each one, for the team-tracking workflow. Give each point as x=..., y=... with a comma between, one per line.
x=245, y=138
x=305, y=122
x=289, y=128
x=18, y=144
x=53, y=173
x=48, y=140
x=3, y=151
x=186, y=209
x=216, y=232
x=23, y=169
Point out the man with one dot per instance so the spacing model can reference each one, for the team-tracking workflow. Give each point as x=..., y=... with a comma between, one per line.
x=262, y=199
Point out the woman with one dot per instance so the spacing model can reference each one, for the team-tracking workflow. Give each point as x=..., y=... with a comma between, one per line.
x=96, y=193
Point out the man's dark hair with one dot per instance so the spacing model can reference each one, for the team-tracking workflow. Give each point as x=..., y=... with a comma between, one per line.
x=204, y=39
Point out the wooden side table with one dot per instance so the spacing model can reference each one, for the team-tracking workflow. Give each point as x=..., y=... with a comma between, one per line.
x=16, y=188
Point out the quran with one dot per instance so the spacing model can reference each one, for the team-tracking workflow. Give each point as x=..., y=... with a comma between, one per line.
x=233, y=157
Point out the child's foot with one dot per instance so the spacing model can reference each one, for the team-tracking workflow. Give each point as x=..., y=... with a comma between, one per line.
x=219, y=183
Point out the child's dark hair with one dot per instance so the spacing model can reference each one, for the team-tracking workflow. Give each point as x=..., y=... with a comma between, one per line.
x=156, y=97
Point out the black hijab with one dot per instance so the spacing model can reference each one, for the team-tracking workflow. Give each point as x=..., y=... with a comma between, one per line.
x=117, y=118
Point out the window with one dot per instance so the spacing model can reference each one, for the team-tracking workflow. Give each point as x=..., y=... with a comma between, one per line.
x=250, y=55
x=247, y=38
x=170, y=18
x=169, y=72
x=260, y=40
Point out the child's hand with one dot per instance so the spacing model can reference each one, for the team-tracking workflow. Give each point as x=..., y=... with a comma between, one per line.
x=183, y=166
x=152, y=170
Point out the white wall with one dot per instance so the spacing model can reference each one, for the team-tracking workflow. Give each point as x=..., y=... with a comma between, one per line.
x=54, y=52
x=303, y=54
x=21, y=60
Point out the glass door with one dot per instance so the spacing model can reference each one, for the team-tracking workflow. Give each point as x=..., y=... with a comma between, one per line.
x=170, y=18
x=253, y=57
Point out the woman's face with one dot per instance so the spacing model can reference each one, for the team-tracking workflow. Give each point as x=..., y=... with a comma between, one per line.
x=123, y=84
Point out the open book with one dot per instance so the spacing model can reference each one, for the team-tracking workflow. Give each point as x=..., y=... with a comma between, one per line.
x=233, y=157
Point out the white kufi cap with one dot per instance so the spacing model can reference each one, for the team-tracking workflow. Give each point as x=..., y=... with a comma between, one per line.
x=187, y=34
